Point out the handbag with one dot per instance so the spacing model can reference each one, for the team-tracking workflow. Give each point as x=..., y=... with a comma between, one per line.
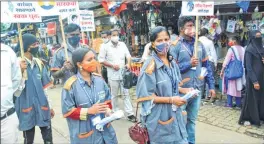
x=234, y=69
x=138, y=133
x=127, y=79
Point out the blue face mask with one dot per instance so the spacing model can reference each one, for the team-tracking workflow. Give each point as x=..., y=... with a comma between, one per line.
x=74, y=40
x=162, y=48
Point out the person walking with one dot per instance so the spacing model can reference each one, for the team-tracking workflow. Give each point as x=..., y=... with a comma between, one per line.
x=33, y=107
x=253, y=107
x=113, y=57
x=211, y=52
x=12, y=84
x=191, y=68
x=233, y=88
x=158, y=92
x=86, y=99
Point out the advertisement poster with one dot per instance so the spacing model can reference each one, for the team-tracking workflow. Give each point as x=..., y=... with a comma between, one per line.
x=197, y=8
x=231, y=26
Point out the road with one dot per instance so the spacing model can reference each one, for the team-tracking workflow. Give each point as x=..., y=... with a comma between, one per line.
x=205, y=133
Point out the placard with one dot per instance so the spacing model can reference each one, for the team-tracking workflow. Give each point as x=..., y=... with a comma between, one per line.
x=87, y=20
x=51, y=8
x=231, y=26
x=19, y=12
x=74, y=18
x=197, y=8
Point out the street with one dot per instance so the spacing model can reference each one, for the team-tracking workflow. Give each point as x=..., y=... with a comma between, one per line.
x=205, y=133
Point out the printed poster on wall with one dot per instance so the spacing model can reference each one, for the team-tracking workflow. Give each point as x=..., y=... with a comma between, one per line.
x=197, y=8
x=231, y=26
x=19, y=12
x=87, y=20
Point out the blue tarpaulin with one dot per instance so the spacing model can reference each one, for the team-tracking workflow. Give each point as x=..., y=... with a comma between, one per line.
x=243, y=4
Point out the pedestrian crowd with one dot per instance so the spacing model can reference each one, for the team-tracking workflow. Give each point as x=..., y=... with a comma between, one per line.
x=92, y=80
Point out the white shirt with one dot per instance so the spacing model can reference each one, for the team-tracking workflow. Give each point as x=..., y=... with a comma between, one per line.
x=209, y=48
x=115, y=55
x=11, y=78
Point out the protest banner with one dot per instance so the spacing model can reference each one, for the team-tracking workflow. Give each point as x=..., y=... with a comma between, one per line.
x=87, y=20
x=197, y=8
x=19, y=12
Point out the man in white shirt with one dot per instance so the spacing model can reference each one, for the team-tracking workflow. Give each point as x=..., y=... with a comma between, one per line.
x=12, y=84
x=113, y=57
x=210, y=50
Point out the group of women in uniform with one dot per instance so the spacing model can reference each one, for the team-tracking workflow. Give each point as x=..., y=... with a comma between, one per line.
x=86, y=97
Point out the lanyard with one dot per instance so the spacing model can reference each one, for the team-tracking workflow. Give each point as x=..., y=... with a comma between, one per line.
x=173, y=82
x=89, y=96
x=188, y=50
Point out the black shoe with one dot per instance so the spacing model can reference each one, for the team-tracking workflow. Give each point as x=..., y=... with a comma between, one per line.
x=132, y=118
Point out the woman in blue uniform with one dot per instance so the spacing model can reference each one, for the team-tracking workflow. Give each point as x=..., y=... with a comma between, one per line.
x=32, y=107
x=85, y=101
x=157, y=90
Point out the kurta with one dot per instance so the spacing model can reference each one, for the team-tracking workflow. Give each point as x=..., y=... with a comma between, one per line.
x=232, y=84
x=78, y=94
x=253, y=107
x=164, y=124
x=32, y=106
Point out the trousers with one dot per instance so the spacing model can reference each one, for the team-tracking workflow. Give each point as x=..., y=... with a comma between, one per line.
x=115, y=86
x=46, y=133
x=9, y=129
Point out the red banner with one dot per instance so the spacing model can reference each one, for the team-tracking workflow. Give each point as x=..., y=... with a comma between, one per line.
x=51, y=28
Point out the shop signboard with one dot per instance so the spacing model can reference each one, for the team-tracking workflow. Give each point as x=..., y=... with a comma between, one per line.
x=19, y=12
x=51, y=28
x=197, y=8
x=87, y=20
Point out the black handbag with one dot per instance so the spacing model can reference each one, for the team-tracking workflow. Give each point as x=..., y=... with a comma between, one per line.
x=127, y=79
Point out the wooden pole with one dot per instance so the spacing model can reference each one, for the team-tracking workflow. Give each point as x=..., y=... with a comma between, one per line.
x=196, y=37
x=25, y=76
x=83, y=40
x=64, y=39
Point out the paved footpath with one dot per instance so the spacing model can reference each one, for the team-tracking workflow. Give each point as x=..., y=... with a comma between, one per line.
x=205, y=133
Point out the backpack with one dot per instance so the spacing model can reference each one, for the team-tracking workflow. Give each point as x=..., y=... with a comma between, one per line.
x=234, y=70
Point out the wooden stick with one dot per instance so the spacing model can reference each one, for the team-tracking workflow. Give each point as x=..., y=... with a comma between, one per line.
x=25, y=76
x=64, y=39
x=196, y=37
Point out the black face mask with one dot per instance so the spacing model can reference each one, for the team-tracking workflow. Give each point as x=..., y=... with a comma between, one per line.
x=34, y=50
x=74, y=41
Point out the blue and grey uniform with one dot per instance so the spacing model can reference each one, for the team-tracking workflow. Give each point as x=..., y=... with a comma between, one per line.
x=32, y=106
x=78, y=94
x=182, y=52
x=164, y=123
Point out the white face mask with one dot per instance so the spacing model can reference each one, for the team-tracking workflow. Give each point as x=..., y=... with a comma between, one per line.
x=105, y=40
x=115, y=39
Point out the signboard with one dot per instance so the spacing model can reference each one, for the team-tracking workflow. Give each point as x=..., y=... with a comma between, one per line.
x=87, y=20
x=43, y=32
x=19, y=12
x=51, y=8
x=51, y=28
x=197, y=8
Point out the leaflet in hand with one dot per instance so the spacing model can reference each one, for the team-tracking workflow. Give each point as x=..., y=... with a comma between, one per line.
x=191, y=94
x=115, y=116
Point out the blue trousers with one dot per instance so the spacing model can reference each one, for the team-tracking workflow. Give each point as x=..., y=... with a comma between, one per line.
x=192, y=109
x=230, y=101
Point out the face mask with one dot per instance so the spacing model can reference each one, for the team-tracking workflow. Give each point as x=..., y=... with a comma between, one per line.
x=163, y=48
x=34, y=50
x=105, y=40
x=190, y=32
x=90, y=67
x=74, y=41
x=231, y=44
x=115, y=39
